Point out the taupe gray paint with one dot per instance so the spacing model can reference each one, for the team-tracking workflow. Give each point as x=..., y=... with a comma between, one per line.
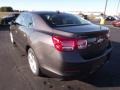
x=52, y=62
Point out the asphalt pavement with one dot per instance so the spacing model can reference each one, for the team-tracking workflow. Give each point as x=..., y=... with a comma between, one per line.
x=16, y=75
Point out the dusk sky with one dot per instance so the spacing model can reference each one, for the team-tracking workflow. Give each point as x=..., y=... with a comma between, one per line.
x=62, y=5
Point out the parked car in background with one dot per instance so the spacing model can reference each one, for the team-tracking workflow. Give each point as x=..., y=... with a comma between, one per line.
x=61, y=44
x=85, y=16
x=112, y=18
x=7, y=19
x=116, y=23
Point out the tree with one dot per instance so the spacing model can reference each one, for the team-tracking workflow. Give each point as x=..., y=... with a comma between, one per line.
x=6, y=9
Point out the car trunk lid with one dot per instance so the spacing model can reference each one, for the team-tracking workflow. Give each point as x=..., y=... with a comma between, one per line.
x=95, y=35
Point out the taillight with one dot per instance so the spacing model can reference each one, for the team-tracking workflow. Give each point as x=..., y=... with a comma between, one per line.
x=81, y=44
x=68, y=44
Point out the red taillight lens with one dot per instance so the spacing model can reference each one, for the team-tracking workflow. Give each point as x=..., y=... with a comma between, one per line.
x=63, y=44
x=67, y=44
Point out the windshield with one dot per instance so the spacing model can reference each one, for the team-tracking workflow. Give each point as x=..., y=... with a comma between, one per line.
x=61, y=20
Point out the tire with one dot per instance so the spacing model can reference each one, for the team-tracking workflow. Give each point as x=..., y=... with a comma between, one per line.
x=33, y=62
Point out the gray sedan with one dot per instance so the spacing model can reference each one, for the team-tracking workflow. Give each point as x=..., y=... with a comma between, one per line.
x=61, y=44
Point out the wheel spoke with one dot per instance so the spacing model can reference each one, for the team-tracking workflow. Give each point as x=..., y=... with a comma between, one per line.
x=32, y=62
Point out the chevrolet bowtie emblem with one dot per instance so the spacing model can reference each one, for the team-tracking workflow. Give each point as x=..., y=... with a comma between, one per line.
x=99, y=40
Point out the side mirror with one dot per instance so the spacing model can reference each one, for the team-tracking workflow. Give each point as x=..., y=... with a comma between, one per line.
x=12, y=22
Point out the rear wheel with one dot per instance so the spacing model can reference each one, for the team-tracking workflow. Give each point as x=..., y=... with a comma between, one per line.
x=33, y=62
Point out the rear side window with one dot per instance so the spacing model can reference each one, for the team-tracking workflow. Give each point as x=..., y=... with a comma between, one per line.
x=19, y=19
x=25, y=20
x=28, y=21
x=61, y=20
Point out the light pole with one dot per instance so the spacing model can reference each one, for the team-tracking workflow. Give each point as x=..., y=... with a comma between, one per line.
x=105, y=7
x=117, y=7
x=102, y=21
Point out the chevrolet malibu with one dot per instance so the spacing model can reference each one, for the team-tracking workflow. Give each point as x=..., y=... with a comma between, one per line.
x=60, y=44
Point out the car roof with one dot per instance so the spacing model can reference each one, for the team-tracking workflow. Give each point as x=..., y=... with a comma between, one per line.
x=45, y=12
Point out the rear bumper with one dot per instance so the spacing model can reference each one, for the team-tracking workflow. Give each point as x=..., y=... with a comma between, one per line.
x=82, y=69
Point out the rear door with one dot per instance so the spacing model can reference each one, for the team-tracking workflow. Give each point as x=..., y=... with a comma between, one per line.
x=24, y=29
x=15, y=28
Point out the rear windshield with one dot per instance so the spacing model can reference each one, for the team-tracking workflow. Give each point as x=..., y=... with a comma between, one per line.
x=61, y=20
